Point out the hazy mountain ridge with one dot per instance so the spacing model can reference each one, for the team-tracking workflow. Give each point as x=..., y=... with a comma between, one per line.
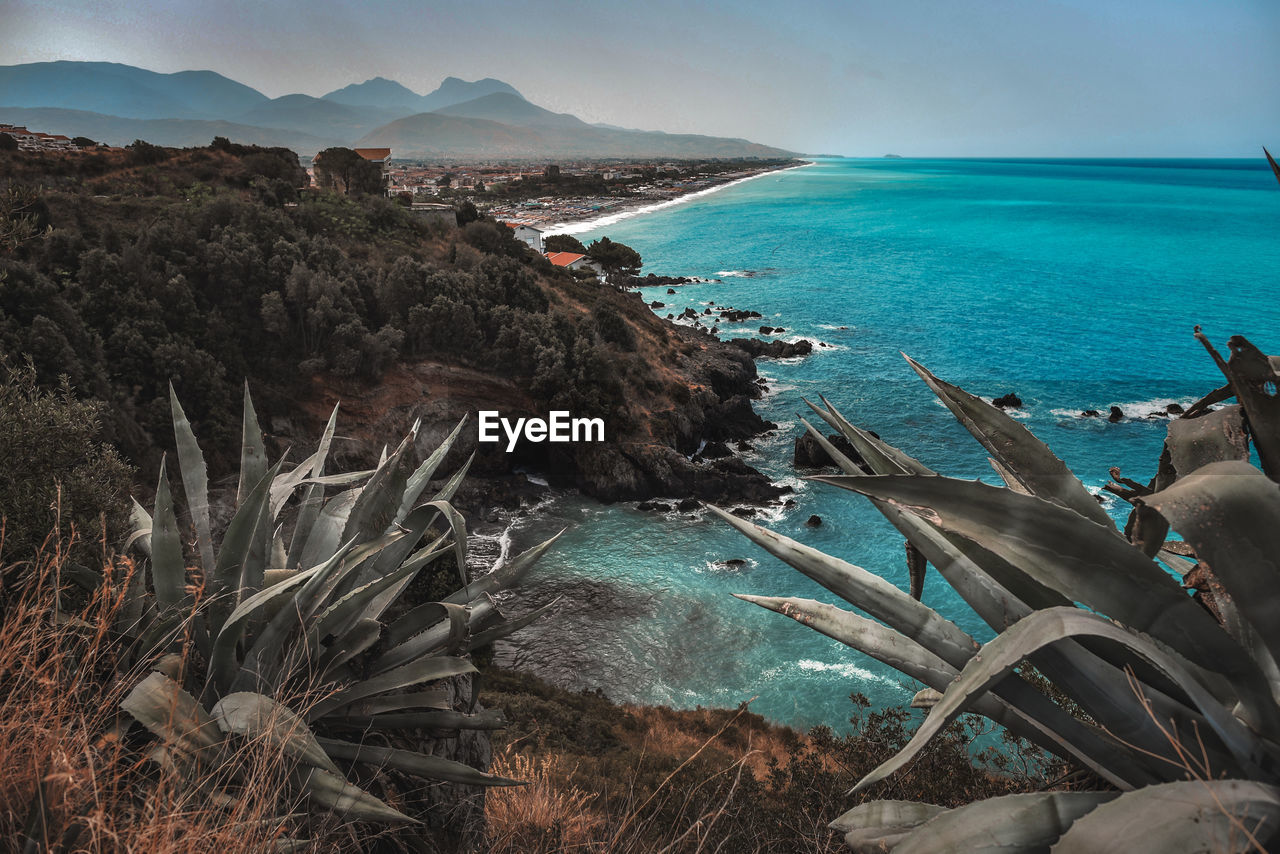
x=486, y=118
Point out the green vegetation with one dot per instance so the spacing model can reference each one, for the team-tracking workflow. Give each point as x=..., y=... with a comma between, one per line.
x=564, y=243
x=209, y=267
x=1169, y=698
x=615, y=257
x=58, y=474
x=300, y=644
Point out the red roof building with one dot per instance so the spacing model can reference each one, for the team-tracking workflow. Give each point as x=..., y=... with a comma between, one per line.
x=565, y=259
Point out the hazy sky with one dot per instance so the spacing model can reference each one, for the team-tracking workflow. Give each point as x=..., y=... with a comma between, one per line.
x=860, y=77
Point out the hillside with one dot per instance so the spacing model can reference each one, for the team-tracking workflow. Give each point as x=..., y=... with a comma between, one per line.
x=204, y=267
x=483, y=119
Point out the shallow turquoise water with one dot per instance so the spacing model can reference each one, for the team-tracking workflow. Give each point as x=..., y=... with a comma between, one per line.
x=1074, y=283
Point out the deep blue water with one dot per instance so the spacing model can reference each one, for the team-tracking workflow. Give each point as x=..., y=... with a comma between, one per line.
x=1074, y=283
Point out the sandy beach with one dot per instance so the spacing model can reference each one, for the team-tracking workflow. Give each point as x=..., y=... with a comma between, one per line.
x=563, y=219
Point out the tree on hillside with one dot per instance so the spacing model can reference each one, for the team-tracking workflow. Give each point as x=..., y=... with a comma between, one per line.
x=615, y=257
x=8, y=143
x=564, y=243
x=343, y=170
x=84, y=142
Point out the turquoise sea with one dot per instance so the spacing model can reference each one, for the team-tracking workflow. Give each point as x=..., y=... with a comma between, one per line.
x=1075, y=284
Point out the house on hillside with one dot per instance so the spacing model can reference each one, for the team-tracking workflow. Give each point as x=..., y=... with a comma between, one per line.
x=435, y=212
x=381, y=156
x=529, y=235
x=573, y=261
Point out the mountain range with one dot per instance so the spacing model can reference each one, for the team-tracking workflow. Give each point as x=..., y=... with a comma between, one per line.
x=484, y=119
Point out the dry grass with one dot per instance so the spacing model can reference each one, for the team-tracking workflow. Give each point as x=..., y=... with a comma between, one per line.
x=73, y=774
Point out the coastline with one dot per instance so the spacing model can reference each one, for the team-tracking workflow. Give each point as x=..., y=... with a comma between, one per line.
x=581, y=226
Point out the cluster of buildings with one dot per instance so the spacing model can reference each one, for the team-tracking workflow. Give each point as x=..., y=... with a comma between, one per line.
x=34, y=140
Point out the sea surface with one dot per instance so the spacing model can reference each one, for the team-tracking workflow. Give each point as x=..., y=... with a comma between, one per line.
x=1074, y=283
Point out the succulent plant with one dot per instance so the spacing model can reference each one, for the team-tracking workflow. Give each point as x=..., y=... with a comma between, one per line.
x=1174, y=698
x=299, y=620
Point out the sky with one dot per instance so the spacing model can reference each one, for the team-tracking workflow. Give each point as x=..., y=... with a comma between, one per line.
x=966, y=78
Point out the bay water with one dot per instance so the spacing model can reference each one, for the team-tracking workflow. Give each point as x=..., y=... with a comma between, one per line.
x=1075, y=284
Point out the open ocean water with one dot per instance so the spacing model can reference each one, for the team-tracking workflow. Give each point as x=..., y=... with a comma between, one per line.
x=1075, y=284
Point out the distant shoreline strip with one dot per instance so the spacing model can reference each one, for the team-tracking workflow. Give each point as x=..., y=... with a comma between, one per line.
x=613, y=218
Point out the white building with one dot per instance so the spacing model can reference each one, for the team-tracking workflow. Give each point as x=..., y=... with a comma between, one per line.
x=530, y=235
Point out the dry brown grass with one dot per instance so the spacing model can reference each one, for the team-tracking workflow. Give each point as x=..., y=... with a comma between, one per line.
x=74, y=775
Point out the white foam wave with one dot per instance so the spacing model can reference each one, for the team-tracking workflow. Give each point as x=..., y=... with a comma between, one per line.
x=611, y=219
x=849, y=671
x=1135, y=409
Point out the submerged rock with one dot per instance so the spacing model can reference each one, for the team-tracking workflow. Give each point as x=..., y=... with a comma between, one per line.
x=814, y=521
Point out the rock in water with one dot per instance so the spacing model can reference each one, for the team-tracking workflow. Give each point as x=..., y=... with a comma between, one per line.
x=1116, y=415
x=1008, y=401
x=814, y=521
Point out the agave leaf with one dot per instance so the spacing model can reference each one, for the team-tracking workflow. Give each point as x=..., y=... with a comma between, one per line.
x=415, y=672
x=418, y=764
x=1094, y=675
x=349, y=608
x=882, y=457
x=1013, y=445
x=355, y=641
x=140, y=521
x=314, y=498
x=1051, y=625
x=486, y=719
x=270, y=659
x=1211, y=438
x=173, y=715
x=1016, y=705
x=503, y=577
x=222, y=664
x=1025, y=822
x=1274, y=168
x=1067, y=553
x=233, y=557
x=418, y=480
x=1193, y=815
x=450, y=488
x=869, y=592
x=285, y=484
x=253, y=453
x=438, y=625
x=1254, y=378
x=195, y=478
x=841, y=460
x=168, y=569
x=326, y=531
x=257, y=717
x=875, y=814
x=458, y=526
x=1230, y=514
x=349, y=802
x=508, y=627
x=395, y=557
x=378, y=501
x=432, y=698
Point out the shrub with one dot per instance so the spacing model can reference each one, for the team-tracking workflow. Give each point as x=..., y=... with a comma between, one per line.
x=58, y=475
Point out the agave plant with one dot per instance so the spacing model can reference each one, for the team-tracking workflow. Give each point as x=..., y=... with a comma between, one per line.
x=1174, y=697
x=304, y=619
